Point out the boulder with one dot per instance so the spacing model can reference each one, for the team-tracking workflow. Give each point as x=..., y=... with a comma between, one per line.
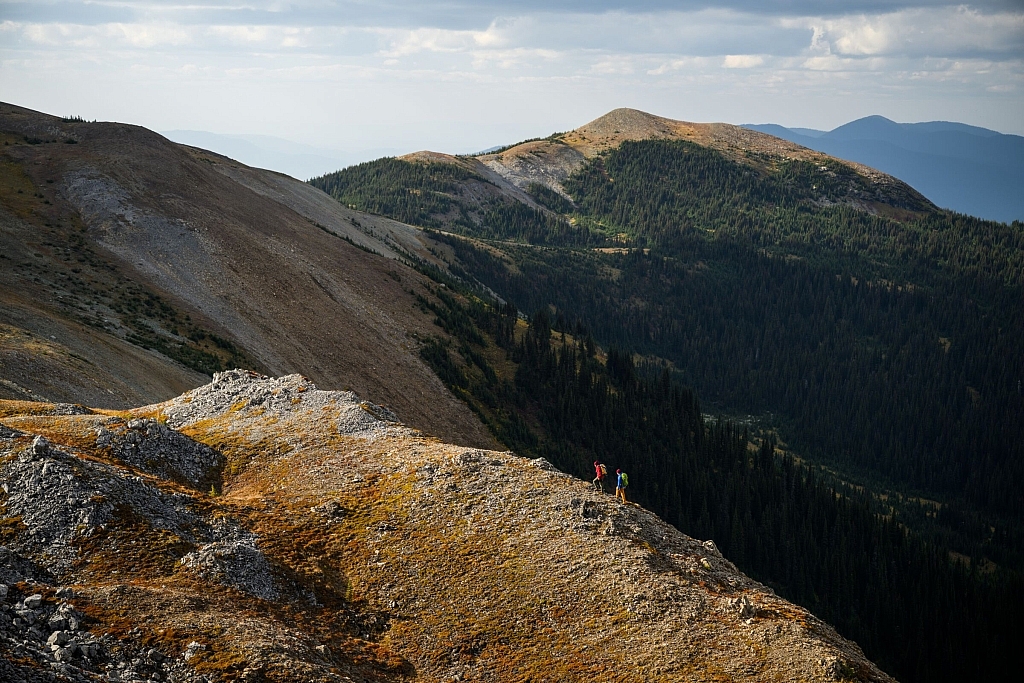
x=58, y=638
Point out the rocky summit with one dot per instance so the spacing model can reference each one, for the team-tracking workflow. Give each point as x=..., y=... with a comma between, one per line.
x=263, y=529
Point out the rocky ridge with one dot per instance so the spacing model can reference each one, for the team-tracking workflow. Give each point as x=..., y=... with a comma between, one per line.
x=260, y=528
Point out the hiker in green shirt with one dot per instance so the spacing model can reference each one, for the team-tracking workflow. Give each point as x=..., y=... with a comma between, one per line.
x=620, y=485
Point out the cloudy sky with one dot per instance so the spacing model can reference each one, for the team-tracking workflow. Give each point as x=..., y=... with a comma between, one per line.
x=463, y=75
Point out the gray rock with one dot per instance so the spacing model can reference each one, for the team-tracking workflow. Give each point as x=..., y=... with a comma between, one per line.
x=61, y=498
x=8, y=433
x=236, y=562
x=3, y=591
x=34, y=601
x=544, y=464
x=277, y=396
x=69, y=409
x=14, y=566
x=332, y=511
x=40, y=446
x=65, y=593
x=743, y=605
x=191, y=649
x=58, y=638
x=152, y=447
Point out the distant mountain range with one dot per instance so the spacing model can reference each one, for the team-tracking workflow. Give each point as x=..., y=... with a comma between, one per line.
x=277, y=154
x=965, y=168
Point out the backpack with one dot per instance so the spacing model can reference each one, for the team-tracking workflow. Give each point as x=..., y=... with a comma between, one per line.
x=604, y=470
x=625, y=480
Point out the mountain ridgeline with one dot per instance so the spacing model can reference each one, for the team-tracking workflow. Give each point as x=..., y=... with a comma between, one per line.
x=878, y=338
x=264, y=529
x=964, y=168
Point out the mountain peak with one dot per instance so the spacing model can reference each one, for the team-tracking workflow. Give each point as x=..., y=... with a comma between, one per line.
x=629, y=123
x=868, y=127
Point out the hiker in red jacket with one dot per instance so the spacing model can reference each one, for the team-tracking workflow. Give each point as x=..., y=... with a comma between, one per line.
x=602, y=472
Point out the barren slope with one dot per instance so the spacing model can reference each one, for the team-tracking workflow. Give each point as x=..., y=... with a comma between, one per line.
x=130, y=257
x=498, y=180
x=342, y=545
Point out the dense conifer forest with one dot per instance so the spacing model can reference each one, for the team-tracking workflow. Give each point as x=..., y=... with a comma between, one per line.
x=869, y=334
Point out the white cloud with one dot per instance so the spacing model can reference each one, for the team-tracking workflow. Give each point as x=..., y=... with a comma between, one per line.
x=242, y=35
x=614, y=65
x=941, y=31
x=689, y=64
x=104, y=36
x=152, y=35
x=428, y=40
x=742, y=61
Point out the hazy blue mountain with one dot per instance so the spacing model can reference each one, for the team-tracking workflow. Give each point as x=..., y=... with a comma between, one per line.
x=809, y=132
x=965, y=168
x=277, y=154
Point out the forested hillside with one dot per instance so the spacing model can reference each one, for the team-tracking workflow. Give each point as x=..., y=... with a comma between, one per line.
x=872, y=333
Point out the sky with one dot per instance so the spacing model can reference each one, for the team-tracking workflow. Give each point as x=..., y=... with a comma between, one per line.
x=465, y=75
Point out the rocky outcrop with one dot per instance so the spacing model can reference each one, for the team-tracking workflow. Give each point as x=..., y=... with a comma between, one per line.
x=154, y=448
x=47, y=629
x=234, y=559
x=252, y=395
